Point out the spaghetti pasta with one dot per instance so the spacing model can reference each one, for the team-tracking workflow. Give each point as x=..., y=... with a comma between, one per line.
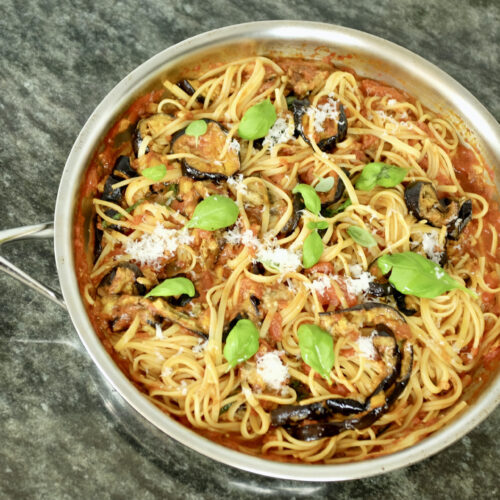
x=392, y=376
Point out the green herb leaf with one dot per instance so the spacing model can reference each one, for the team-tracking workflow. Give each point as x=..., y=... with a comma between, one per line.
x=225, y=408
x=290, y=99
x=312, y=250
x=242, y=342
x=413, y=274
x=257, y=121
x=320, y=224
x=311, y=199
x=197, y=128
x=119, y=216
x=380, y=174
x=329, y=212
x=316, y=349
x=325, y=185
x=155, y=173
x=214, y=212
x=361, y=236
x=173, y=286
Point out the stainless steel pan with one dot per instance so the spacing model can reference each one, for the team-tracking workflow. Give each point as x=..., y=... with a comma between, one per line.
x=370, y=56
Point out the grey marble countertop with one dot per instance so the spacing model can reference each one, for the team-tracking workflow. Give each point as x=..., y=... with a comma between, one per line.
x=59, y=438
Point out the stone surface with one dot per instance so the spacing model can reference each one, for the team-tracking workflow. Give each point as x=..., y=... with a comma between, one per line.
x=59, y=437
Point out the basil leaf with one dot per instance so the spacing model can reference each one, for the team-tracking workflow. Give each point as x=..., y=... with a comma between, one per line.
x=257, y=121
x=316, y=349
x=311, y=199
x=325, y=185
x=214, y=212
x=119, y=216
x=380, y=174
x=155, y=173
x=320, y=224
x=312, y=250
x=361, y=236
x=173, y=286
x=242, y=342
x=413, y=274
x=196, y=128
x=331, y=212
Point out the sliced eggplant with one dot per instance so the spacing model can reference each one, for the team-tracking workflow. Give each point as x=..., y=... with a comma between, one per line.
x=122, y=280
x=206, y=166
x=123, y=169
x=422, y=201
x=327, y=133
x=174, y=315
x=458, y=225
x=189, y=87
x=380, y=287
x=293, y=221
x=152, y=126
x=363, y=315
x=328, y=414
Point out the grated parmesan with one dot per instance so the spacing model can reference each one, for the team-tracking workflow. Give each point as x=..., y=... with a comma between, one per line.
x=273, y=372
x=234, y=146
x=430, y=242
x=237, y=183
x=360, y=280
x=320, y=285
x=323, y=112
x=159, y=331
x=200, y=347
x=268, y=251
x=151, y=246
x=279, y=133
x=366, y=347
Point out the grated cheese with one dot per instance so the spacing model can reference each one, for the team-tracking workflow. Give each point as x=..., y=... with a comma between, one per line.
x=234, y=146
x=159, y=331
x=360, y=283
x=200, y=347
x=429, y=243
x=366, y=347
x=323, y=112
x=273, y=372
x=237, y=183
x=320, y=285
x=150, y=247
x=268, y=251
x=279, y=133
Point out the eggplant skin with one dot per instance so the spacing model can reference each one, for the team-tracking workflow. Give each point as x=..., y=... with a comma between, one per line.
x=384, y=309
x=211, y=170
x=456, y=227
x=299, y=109
x=108, y=279
x=360, y=415
x=293, y=221
x=189, y=89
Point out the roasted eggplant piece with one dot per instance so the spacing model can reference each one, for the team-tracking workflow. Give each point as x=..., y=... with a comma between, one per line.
x=456, y=227
x=123, y=169
x=172, y=314
x=152, y=126
x=327, y=133
x=381, y=287
x=189, y=87
x=249, y=309
x=207, y=166
x=122, y=280
x=328, y=414
x=363, y=315
x=293, y=221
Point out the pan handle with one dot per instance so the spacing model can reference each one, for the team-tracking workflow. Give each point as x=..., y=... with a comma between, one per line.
x=36, y=231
